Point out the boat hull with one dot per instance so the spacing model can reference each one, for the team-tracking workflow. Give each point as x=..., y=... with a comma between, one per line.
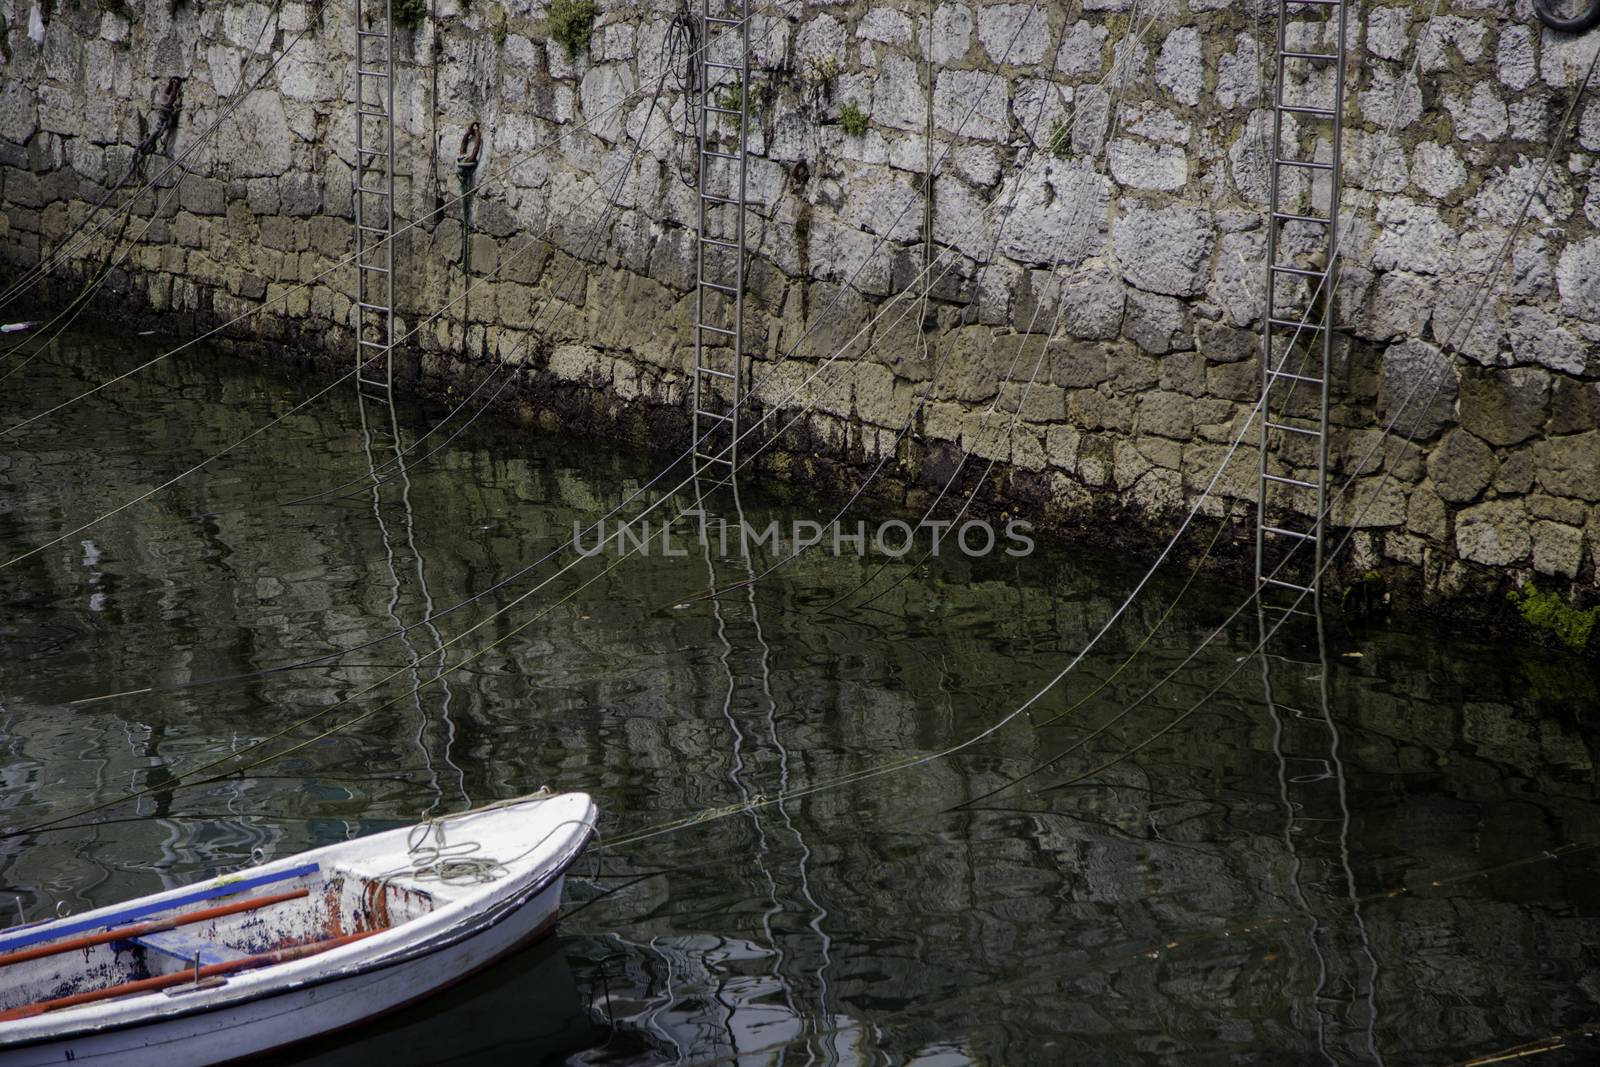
x=279, y=1020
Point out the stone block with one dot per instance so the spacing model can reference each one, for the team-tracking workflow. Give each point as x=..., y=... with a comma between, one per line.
x=1495, y=532
x=1164, y=250
x=1461, y=467
x=972, y=103
x=1570, y=465
x=1505, y=406
x=1575, y=273
x=1083, y=49
x=1157, y=324
x=1557, y=548
x=1014, y=34
x=1180, y=68
x=1417, y=389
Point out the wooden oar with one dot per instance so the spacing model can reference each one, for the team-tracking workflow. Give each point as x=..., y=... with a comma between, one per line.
x=194, y=974
x=122, y=933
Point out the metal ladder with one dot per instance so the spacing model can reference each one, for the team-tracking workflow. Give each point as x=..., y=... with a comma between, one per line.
x=374, y=197
x=719, y=364
x=1292, y=483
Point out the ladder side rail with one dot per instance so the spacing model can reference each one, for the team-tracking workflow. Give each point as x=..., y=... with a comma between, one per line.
x=739, y=267
x=1329, y=283
x=1269, y=305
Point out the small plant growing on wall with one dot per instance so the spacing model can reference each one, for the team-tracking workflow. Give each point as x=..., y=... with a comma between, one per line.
x=501, y=31
x=730, y=97
x=1060, y=142
x=572, y=24
x=853, y=119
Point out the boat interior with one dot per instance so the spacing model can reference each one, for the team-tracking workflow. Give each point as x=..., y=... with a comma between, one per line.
x=178, y=942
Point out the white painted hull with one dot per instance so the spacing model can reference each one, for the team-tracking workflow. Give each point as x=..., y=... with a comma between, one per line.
x=280, y=1006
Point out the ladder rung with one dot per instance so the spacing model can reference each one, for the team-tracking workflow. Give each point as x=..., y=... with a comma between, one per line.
x=1301, y=271
x=719, y=242
x=722, y=66
x=713, y=459
x=372, y=33
x=1288, y=53
x=701, y=413
x=1295, y=377
x=1317, y=3
x=1307, y=109
x=1293, y=324
x=371, y=229
x=1279, y=582
x=372, y=192
x=714, y=373
x=718, y=286
x=1288, y=611
x=1286, y=480
x=371, y=114
x=1309, y=164
x=372, y=151
x=719, y=199
x=374, y=73
x=721, y=21
x=369, y=266
x=374, y=384
x=1294, y=429
x=713, y=109
x=713, y=329
x=1289, y=216
x=372, y=307
x=1289, y=533
x=718, y=155
x=372, y=344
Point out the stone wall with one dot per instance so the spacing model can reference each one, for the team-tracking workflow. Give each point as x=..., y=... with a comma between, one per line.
x=1097, y=214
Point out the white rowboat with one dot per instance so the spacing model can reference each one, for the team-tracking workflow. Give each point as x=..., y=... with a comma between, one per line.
x=289, y=950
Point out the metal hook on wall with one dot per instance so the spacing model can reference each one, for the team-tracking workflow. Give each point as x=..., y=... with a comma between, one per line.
x=467, y=156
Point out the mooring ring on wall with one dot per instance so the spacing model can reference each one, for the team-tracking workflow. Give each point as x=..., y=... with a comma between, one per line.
x=1554, y=13
x=472, y=144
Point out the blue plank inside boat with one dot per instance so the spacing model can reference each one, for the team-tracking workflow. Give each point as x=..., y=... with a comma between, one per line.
x=184, y=945
x=144, y=910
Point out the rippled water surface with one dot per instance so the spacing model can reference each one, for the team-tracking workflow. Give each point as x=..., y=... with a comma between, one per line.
x=1385, y=863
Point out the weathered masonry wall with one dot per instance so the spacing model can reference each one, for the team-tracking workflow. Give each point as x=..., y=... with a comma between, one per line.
x=1109, y=182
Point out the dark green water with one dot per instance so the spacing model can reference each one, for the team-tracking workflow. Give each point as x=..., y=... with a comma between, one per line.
x=1254, y=885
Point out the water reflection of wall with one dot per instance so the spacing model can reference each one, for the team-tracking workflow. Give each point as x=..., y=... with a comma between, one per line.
x=1021, y=931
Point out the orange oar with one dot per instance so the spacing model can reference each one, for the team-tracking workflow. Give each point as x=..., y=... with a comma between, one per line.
x=163, y=981
x=122, y=933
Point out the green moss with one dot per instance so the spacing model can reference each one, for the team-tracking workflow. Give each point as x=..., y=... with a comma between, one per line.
x=501, y=31
x=1547, y=611
x=572, y=24
x=853, y=119
x=1060, y=142
x=408, y=14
